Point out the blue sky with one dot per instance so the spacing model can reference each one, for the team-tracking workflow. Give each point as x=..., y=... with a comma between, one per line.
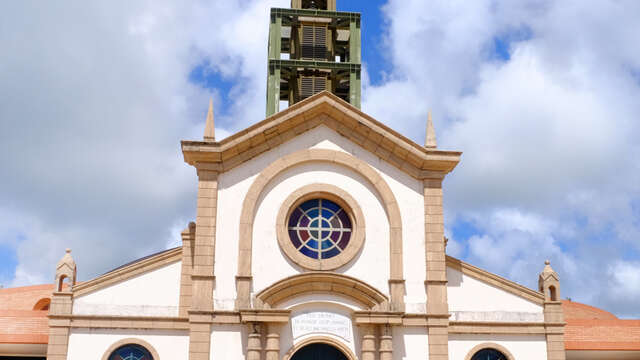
x=540, y=95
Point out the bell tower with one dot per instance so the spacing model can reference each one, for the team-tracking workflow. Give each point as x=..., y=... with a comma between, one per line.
x=313, y=48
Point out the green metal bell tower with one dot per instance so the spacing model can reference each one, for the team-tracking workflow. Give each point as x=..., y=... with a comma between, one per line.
x=312, y=48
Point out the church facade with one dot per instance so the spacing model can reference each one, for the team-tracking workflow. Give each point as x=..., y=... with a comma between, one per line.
x=319, y=235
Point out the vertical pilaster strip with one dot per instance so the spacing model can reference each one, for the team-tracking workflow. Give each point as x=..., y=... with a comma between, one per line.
x=368, y=342
x=186, y=287
x=436, y=277
x=254, y=342
x=273, y=342
x=386, y=343
x=554, y=326
x=59, y=328
x=202, y=276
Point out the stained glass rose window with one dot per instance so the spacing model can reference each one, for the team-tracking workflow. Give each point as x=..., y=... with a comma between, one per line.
x=320, y=229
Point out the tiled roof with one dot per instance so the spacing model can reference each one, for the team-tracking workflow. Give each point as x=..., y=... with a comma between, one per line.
x=590, y=328
x=19, y=323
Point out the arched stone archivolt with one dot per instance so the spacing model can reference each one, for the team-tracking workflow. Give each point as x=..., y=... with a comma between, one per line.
x=488, y=345
x=321, y=340
x=129, y=341
x=249, y=207
x=320, y=282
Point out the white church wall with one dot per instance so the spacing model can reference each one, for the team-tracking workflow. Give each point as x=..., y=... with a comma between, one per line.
x=233, y=186
x=91, y=344
x=227, y=342
x=473, y=300
x=410, y=343
x=522, y=347
x=269, y=262
x=154, y=293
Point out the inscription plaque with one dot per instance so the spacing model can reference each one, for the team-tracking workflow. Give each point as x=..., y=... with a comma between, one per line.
x=318, y=322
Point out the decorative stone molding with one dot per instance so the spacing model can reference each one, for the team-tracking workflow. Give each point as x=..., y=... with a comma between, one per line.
x=321, y=109
x=495, y=346
x=320, y=282
x=321, y=340
x=130, y=341
x=495, y=280
x=249, y=207
x=121, y=322
x=66, y=269
x=128, y=271
x=340, y=197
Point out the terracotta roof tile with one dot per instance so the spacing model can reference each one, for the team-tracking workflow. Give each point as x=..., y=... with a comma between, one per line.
x=590, y=328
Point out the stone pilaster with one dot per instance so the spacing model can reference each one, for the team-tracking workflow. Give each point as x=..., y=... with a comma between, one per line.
x=368, y=342
x=59, y=328
x=61, y=308
x=554, y=327
x=254, y=342
x=272, y=349
x=186, y=287
x=386, y=343
x=436, y=277
x=202, y=272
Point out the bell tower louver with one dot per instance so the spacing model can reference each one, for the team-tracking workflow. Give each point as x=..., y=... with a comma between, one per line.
x=313, y=48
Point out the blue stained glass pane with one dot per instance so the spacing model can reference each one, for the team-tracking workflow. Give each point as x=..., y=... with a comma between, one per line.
x=295, y=216
x=314, y=224
x=325, y=234
x=313, y=213
x=330, y=205
x=327, y=214
x=309, y=204
x=310, y=253
x=326, y=244
x=312, y=243
x=330, y=253
x=325, y=224
x=295, y=240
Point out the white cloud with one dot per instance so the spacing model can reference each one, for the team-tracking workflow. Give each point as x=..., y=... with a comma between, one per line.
x=549, y=135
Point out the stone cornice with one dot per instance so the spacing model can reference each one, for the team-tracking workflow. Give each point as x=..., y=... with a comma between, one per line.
x=321, y=109
x=497, y=281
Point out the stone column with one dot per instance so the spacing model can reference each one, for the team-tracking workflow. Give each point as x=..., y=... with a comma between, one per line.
x=254, y=342
x=202, y=275
x=386, y=343
x=436, y=277
x=368, y=342
x=273, y=342
x=549, y=284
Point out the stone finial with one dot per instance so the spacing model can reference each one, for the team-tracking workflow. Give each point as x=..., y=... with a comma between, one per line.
x=209, y=128
x=430, y=138
x=66, y=269
x=549, y=283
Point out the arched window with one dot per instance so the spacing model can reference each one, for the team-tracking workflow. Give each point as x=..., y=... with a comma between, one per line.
x=131, y=352
x=42, y=304
x=489, y=354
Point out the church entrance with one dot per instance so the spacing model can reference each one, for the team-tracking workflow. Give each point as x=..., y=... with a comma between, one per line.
x=319, y=351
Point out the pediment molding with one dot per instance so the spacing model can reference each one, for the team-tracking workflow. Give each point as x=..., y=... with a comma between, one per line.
x=331, y=111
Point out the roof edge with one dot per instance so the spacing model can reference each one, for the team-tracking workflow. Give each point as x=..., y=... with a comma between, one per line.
x=497, y=281
x=128, y=271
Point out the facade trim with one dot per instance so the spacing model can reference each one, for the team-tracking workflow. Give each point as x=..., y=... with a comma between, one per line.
x=249, y=207
x=129, y=341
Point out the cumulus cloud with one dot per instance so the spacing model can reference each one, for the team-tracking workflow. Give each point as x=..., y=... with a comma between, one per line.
x=94, y=99
x=542, y=98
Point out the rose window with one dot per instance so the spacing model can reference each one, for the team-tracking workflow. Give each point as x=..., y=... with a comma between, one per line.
x=320, y=229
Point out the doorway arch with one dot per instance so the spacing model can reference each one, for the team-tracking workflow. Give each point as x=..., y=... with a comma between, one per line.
x=320, y=348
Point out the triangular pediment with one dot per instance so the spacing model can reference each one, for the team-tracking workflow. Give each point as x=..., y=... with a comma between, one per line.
x=321, y=109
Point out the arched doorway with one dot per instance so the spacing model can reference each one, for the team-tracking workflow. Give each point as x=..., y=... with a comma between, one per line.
x=319, y=351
